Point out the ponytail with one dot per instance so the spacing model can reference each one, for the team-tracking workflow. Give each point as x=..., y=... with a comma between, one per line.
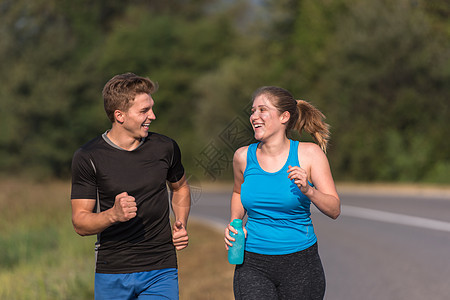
x=311, y=120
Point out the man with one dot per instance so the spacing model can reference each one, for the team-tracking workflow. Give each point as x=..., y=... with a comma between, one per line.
x=119, y=192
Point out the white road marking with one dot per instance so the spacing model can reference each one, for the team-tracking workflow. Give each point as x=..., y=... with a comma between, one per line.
x=383, y=216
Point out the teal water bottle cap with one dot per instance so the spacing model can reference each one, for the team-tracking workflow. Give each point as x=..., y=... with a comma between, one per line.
x=236, y=223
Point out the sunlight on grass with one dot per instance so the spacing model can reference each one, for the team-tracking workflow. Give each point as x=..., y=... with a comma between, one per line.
x=203, y=267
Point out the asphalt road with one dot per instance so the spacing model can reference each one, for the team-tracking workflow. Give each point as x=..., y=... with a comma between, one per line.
x=383, y=246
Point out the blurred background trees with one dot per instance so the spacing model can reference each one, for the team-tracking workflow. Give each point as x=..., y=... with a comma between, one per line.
x=379, y=71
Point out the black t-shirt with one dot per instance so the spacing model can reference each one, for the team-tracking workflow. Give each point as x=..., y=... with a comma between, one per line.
x=101, y=171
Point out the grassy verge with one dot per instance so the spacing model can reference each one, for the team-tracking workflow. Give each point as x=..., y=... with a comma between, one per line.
x=43, y=258
x=203, y=267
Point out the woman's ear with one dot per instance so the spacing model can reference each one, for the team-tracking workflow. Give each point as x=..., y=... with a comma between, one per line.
x=285, y=116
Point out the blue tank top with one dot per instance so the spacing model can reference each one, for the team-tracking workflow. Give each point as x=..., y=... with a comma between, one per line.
x=278, y=213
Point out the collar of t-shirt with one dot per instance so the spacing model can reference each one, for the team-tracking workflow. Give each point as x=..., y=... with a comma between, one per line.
x=106, y=138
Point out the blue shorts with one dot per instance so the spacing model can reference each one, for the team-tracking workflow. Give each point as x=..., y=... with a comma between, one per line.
x=157, y=284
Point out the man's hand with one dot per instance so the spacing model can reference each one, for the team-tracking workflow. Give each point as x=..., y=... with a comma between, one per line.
x=124, y=207
x=179, y=235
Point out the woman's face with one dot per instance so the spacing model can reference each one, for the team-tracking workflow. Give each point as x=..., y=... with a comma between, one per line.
x=265, y=118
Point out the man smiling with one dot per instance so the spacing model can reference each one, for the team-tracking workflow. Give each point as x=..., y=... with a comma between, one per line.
x=119, y=192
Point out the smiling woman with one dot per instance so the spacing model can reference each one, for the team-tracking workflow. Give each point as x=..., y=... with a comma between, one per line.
x=275, y=182
x=266, y=119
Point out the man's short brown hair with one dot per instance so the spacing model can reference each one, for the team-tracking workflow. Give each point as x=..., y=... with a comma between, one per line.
x=120, y=91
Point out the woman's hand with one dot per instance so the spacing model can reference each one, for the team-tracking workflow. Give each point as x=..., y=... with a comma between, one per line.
x=300, y=178
x=228, y=239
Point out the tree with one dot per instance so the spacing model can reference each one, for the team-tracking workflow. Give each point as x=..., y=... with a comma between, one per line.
x=387, y=83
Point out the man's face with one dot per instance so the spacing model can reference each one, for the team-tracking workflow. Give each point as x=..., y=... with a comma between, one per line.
x=139, y=116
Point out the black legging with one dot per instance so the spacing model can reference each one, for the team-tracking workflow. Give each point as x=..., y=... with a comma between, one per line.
x=298, y=275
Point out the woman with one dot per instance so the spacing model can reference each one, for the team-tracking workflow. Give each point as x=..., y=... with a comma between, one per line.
x=275, y=181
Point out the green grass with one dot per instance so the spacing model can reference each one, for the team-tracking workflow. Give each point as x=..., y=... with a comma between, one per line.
x=43, y=258
x=203, y=267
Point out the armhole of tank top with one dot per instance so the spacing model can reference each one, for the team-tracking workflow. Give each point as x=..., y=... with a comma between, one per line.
x=296, y=152
x=247, y=157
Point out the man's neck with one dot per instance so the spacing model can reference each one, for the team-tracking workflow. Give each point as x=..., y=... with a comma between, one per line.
x=122, y=140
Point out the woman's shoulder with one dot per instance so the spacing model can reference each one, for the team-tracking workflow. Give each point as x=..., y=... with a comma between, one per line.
x=241, y=153
x=240, y=160
x=309, y=149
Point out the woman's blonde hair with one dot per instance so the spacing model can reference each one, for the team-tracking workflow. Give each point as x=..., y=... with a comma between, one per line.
x=303, y=115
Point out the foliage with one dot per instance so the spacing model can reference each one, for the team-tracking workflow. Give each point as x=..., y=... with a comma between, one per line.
x=174, y=52
x=379, y=70
x=389, y=89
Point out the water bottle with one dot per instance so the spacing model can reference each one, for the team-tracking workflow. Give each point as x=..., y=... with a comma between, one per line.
x=236, y=252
